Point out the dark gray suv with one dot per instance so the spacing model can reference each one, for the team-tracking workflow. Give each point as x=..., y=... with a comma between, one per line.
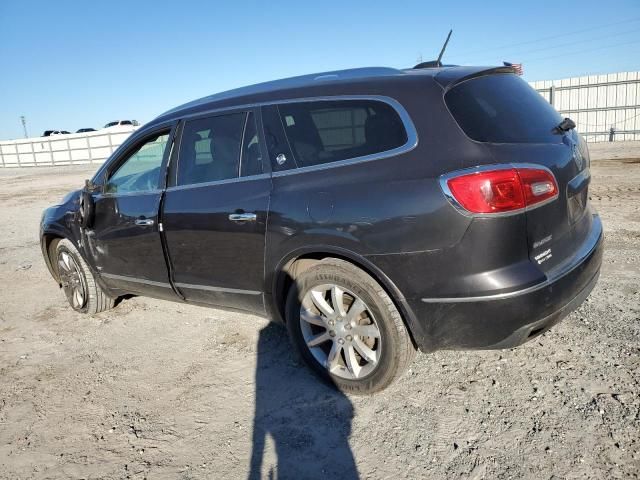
x=373, y=211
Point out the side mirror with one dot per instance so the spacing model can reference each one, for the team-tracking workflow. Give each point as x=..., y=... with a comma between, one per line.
x=86, y=208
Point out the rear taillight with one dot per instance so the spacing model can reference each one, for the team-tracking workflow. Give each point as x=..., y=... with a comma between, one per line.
x=501, y=190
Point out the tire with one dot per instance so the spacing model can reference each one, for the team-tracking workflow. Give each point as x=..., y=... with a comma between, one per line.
x=74, y=274
x=379, y=327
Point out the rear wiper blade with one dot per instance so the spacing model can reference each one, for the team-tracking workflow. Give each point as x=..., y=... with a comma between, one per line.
x=565, y=125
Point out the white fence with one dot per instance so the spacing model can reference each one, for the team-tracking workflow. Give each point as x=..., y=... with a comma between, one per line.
x=604, y=107
x=78, y=148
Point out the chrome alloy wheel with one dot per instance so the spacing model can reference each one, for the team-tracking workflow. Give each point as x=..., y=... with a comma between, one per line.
x=73, y=282
x=340, y=331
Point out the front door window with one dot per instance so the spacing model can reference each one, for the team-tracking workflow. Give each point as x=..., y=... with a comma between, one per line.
x=141, y=171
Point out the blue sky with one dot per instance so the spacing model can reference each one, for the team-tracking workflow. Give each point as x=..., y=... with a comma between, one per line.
x=72, y=64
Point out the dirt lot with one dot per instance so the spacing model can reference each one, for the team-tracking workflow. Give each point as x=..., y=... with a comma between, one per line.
x=155, y=389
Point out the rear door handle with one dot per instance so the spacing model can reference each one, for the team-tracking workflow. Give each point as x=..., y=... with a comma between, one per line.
x=243, y=217
x=145, y=222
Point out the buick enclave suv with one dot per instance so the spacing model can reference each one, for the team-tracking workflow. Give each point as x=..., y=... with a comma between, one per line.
x=373, y=211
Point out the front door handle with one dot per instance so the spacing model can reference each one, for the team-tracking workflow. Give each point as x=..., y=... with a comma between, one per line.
x=144, y=222
x=243, y=217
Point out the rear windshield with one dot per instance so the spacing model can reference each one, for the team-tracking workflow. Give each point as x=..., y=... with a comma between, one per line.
x=503, y=109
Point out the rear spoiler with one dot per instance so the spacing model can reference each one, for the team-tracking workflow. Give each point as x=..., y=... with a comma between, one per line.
x=449, y=78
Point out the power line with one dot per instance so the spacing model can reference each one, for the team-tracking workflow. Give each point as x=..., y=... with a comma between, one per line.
x=577, y=42
x=580, y=124
x=576, y=52
x=552, y=37
x=568, y=44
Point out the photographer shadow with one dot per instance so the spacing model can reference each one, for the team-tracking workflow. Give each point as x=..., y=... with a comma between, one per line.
x=307, y=421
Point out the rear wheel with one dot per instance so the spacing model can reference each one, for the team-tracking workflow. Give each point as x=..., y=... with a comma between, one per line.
x=347, y=328
x=78, y=283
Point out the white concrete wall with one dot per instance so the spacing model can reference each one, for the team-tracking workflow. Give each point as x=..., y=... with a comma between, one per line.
x=76, y=148
x=598, y=102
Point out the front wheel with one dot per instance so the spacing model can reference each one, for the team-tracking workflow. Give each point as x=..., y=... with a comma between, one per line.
x=79, y=285
x=347, y=328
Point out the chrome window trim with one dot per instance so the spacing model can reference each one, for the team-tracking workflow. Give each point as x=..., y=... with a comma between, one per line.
x=410, y=129
x=130, y=194
x=443, y=179
x=259, y=176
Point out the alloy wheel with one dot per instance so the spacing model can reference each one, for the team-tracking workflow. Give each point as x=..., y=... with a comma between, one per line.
x=340, y=331
x=73, y=282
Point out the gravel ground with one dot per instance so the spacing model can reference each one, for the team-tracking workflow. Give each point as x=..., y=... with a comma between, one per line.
x=154, y=389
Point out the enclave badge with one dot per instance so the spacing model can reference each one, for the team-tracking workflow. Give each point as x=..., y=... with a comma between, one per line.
x=577, y=157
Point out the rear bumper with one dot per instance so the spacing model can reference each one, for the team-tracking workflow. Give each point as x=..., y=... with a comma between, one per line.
x=509, y=319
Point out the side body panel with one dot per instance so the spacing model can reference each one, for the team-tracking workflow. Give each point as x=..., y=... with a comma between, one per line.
x=126, y=255
x=215, y=260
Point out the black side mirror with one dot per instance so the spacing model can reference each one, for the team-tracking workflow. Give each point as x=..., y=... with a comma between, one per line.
x=86, y=207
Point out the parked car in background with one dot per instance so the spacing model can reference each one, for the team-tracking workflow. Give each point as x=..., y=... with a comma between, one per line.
x=48, y=133
x=120, y=123
x=373, y=211
x=85, y=130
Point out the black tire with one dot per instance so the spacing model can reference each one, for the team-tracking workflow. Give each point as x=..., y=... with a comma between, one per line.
x=397, y=350
x=95, y=299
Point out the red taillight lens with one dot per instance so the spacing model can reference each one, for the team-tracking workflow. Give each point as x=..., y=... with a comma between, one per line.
x=538, y=185
x=503, y=190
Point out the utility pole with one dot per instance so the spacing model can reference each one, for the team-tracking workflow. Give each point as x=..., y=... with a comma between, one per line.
x=24, y=126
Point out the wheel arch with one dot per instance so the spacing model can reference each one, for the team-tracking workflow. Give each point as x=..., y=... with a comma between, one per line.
x=48, y=240
x=300, y=260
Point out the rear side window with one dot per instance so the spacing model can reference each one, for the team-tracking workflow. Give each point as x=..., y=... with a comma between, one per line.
x=329, y=131
x=503, y=109
x=210, y=149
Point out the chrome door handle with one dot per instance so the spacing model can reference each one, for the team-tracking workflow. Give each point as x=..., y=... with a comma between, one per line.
x=243, y=217
x=145, y=222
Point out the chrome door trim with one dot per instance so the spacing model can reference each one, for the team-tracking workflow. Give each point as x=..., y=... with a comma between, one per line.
x=135, y=280
x=217, y=289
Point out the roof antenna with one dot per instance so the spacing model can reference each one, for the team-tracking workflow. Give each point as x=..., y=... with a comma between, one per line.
x=436, y=63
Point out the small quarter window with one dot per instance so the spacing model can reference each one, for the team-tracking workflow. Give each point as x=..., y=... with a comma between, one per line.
x=210, y=149
x=329, y=131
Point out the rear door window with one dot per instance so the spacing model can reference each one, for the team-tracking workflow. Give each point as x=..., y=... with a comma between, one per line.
x=328, y=131
x=503, y=109
x=210, y=149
